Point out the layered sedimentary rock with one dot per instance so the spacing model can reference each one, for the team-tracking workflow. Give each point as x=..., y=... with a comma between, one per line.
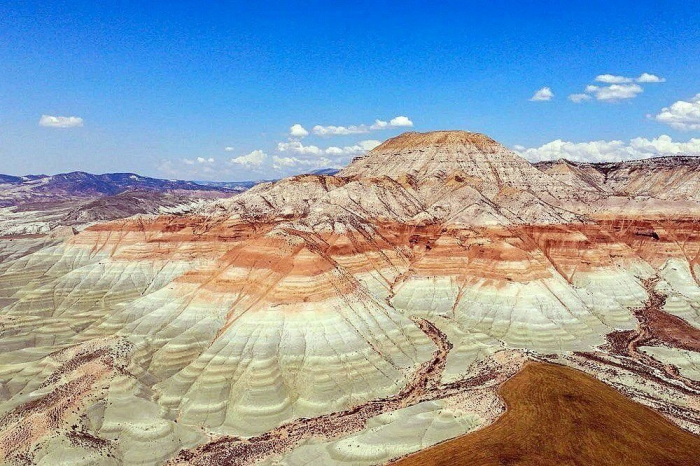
x=673, y=178
x=318, y=318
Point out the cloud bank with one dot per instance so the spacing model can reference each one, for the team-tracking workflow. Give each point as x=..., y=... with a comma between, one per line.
x=378, y=125
x=609, y=151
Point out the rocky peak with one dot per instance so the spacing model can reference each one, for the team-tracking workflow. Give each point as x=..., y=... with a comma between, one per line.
x=425, y=154
x=431, y=159
x=416, y=140
x=440, y=154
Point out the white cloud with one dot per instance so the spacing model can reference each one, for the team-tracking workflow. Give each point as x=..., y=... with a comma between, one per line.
x=335, y=151
x=347, y=150
x=203, y=160
x=643, y=78
x=578, y=98
x=664, y=145
x=359, y=148
x=378, y=125
x=188, y=161
x=682, y=115
x=612, y=79
x=228, y=148
x=298, y=148
x=401, y=122
x=650, y=78
x=279, y=163
x=614, y=92
x=60, y=121
x=609, y=151
x=619, y=88
x=339, y=130
x=255, y=158
x=298, y=131
x=369, y=144
x=542, y=95
x=396, y=122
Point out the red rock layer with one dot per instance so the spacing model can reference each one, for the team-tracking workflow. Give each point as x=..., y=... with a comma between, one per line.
x=265, y=259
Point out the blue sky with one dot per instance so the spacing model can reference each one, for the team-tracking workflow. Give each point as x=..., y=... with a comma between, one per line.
x=163, y=88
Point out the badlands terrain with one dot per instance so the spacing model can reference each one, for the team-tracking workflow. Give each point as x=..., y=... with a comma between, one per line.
x=439, y=295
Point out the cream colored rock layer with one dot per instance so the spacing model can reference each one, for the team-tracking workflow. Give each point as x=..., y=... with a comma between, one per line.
x=221, y=347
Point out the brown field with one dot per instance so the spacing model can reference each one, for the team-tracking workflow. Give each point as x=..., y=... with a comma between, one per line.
x=557, y=415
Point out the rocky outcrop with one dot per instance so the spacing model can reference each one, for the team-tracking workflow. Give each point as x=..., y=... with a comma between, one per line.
x=671, y=178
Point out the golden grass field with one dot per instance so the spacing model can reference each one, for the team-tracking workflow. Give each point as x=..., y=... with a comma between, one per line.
x=558, y=415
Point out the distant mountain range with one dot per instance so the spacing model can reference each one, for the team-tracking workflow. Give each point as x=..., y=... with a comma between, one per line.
x=38, y=188
x=40, y=203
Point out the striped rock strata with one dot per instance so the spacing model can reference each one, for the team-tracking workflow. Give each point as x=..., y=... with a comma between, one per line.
x=318, y=318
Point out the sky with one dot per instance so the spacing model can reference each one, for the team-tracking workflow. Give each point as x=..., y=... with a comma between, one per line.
x=258, y=90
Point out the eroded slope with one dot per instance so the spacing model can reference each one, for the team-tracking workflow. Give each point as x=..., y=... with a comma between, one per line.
x=315, y=318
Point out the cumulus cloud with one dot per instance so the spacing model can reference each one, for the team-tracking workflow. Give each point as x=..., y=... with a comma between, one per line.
x=369, y=144
x=401, y=122
x=650, y=78
x=331, y=130
x=298, y=131
x=228, y=148
x=396, y=122
x=298, y=148
x=643, y=78
x=255, y=158
x=379, y=124
x=619, y=87
x=347, y=150
x=285, y=161
x=609, y=151
x=359, y=148
x=60, y=121
x=612, y=79
x=280, y=163
x=682, y=115
x=578, y=98
x=335, y=151
x=542, y=95
x=614, y=92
